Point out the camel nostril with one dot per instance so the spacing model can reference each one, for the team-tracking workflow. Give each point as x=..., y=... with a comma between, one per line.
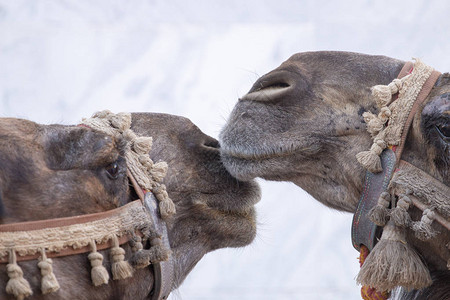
x=212, y=143
x=277, y=85
x=270, y=87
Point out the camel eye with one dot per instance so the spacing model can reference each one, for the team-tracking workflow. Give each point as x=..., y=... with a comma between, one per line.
x=112, y=170
x=444, y=130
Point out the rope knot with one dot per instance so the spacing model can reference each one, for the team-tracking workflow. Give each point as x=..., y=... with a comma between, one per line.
x=374, y=124
x=423, y=229
x=400, y=214
x=379, y=213
x=383, y=93
x=371, y=159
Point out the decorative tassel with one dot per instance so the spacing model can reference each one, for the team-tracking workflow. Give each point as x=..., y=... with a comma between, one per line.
x=146, y=161
x=49, y=283
x=104, y=114
x=142, y=145
x=369, y=293
x=159, y=171
x=99, y=275
x=393, y=263
x=400, y=214
x=370, y=160
x=139, y=259
x=379, y=214
x=375, y=124
x=156, y=253
x=17, y=285
x=121, y=121
x=383, y=93
x=129, y=135
x=159, y=251
x=120, y=268
x=423, y=229
x=166, y=205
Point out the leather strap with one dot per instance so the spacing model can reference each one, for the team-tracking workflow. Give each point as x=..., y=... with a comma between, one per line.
x=163, y=272
x=67, y=221
x=418, y=104
x=364, y=231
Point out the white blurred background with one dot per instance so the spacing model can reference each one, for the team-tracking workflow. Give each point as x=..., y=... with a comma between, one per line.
x=63, y=60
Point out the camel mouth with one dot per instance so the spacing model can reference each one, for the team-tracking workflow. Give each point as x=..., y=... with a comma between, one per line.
x=255, y=156
x=246, y=166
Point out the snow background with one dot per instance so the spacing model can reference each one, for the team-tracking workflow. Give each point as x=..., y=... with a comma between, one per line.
x=63, y=60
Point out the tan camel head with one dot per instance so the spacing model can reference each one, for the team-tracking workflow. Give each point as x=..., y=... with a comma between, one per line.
x=50, y=171
x=302, y=122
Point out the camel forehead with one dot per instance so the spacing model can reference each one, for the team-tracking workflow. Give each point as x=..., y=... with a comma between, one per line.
x=56, y=143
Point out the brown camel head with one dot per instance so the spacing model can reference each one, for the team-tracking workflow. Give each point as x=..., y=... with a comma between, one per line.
x=50, y=171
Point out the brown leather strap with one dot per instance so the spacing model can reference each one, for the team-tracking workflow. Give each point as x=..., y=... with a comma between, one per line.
x=66, y=221
x=163, y=272
x=364, y=231
x=418, y=104
x=407, y=69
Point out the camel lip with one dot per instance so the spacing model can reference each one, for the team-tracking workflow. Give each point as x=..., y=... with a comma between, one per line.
x=254, y=156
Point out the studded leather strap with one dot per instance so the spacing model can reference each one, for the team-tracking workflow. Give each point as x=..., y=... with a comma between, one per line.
x=364, y=231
